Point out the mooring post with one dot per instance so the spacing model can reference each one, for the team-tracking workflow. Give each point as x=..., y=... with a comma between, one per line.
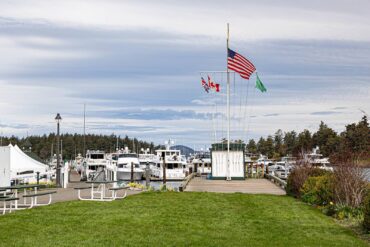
x=132, y=172
x=147, y=174
x=38, y=177
x=164, y=169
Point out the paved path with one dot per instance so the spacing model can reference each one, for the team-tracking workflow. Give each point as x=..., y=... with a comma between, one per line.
x=250, y=185
x=70, y=194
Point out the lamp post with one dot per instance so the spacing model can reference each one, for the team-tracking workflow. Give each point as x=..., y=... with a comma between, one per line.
x=58, y=119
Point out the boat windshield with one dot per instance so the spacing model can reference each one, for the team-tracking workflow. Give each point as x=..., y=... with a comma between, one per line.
x=96, y=156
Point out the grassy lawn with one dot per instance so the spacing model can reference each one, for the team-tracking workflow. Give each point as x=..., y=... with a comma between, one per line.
x=176, y=219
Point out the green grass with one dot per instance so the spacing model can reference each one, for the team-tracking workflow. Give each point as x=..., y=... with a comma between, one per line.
x=176, y=219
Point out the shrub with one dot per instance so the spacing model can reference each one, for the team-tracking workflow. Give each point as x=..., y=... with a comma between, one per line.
x=318, y=190
x=329, y=209
x=366, y=222
x=298, y=177
x=345, y=212
x=350, y=184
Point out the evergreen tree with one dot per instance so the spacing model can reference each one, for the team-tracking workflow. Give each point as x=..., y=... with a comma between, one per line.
x=278, y=144
x=290, y=142
x=304, y=142
x=326, y=138
x=252, y=146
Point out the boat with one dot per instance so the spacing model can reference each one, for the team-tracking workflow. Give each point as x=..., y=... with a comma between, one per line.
x=78, y=163
x=316, y=159
x=147, y=159
x=176, y=164
x=127, y=163
x=201, y=163
x=94, y=165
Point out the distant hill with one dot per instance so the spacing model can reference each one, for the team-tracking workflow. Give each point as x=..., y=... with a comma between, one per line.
x=184, y=150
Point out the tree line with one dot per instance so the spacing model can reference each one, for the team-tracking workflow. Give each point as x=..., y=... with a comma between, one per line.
x=73, y=144
x=354, y=141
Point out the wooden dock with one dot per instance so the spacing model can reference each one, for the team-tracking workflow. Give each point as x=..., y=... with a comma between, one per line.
x=250, y=186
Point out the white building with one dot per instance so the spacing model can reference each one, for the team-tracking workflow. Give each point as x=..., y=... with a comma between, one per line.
x=220, y=170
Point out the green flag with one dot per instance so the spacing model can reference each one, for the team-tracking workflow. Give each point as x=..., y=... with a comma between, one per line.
x=260, y=85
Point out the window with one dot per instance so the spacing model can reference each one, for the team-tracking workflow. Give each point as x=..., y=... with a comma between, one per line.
x=97, y=156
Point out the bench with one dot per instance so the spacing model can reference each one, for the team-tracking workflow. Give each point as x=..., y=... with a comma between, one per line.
x=79, y=192
x=8, y=199
x=6, y=194
x=36, y=195
x=115, y=189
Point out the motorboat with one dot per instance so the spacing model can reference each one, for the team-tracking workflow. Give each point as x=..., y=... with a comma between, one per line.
x=316, y=159
x=201, y=163
x=176, y=164
x=94, y=165
x=147, y=159
x=128, y=165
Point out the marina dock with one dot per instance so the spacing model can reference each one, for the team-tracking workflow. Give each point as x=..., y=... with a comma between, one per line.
x=251, y=186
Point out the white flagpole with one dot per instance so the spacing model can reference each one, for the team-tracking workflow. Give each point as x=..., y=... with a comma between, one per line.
x=228, y=177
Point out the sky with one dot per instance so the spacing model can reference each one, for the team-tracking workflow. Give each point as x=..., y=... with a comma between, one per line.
x=137, y=67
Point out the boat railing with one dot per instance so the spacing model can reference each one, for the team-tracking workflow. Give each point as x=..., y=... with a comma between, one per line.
x=99, y=175
x=186, y=182
x=278, y=181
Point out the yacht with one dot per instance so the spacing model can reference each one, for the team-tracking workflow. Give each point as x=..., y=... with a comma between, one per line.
x=78, y=163
x=175, y=162
x=147, y=159
x=316, y=159
x=94, y=165
x=202, y=164
x=128, y=163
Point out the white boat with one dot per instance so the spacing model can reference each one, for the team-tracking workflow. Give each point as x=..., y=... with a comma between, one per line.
x=147, y=159
x=78, y=163
x=264, y=160
x=128, y=163
x=175, y=162
x=202, y=164
x=94, y=165
x=316, y=159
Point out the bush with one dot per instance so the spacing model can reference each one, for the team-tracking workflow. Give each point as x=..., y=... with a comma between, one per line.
x=298, y=177
x=350, y=184
x=329, y=210
x=345, y=212
x=318, y=190
x=366, y=222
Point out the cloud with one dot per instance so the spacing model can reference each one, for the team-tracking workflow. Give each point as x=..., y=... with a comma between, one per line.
x=325, y=113
x=136, y=66
x=271, y=115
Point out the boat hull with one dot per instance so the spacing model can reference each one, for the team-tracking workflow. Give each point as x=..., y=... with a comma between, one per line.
x=123, y=175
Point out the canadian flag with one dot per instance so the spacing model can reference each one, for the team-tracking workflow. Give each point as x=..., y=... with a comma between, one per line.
x=212, y=85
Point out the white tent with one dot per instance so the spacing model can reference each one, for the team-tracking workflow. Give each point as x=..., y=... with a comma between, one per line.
x=19, y=164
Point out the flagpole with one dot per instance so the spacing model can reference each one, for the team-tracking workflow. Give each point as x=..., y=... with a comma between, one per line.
x=228, y=177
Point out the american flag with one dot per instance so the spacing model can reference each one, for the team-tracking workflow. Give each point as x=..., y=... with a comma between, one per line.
x=240, y=64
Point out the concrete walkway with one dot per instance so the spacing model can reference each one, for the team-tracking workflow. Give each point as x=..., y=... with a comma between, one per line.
x=70, y=194
x=250, y=186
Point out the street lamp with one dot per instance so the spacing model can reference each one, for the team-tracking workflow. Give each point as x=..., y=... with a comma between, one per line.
x=58, y=119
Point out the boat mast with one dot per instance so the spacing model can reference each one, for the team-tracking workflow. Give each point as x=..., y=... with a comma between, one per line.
x=228, y=106
x=84, y=152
